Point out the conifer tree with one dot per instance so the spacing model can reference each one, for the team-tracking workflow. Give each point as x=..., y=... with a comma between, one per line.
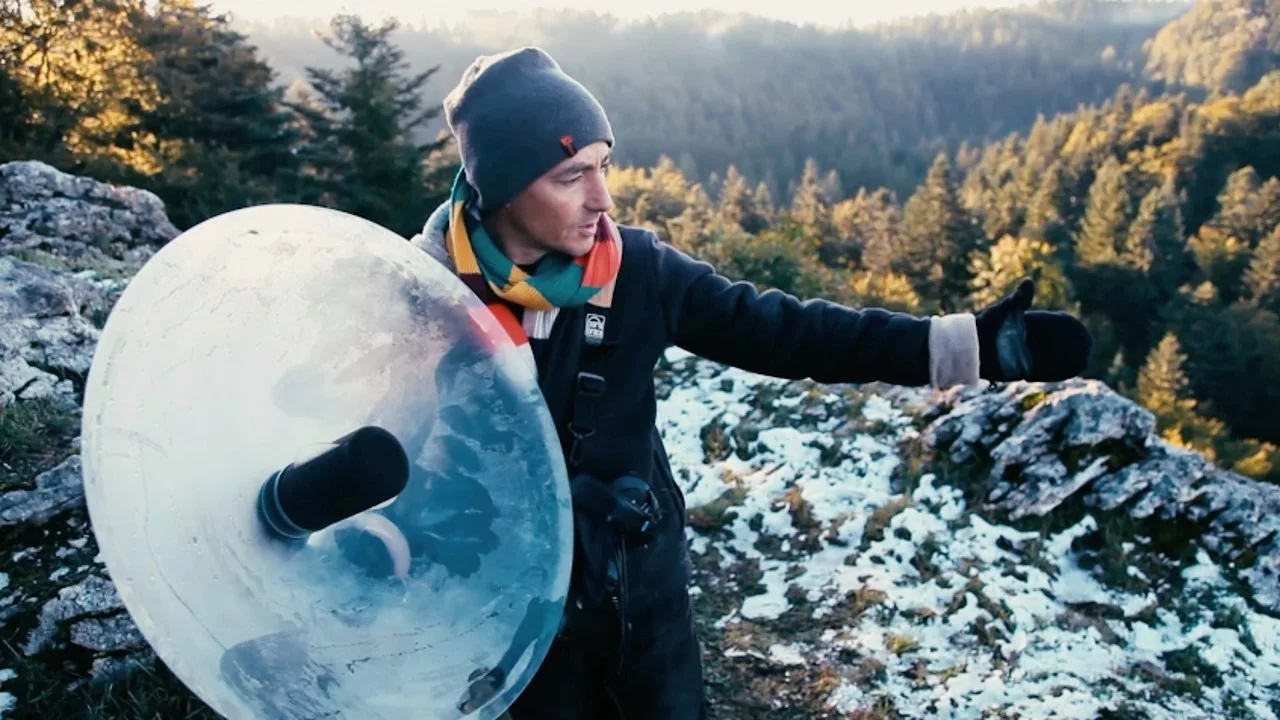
x=809, y=206
x=760, y=211
x=939, y=235
x=360, y=151
x=1263, y=276
x=735, y=196
x=1106, y=217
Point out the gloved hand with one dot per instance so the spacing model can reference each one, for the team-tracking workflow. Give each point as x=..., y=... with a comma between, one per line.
x=1017, y=343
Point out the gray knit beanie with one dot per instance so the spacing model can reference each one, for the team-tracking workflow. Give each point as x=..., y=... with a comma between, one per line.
x=516, y=115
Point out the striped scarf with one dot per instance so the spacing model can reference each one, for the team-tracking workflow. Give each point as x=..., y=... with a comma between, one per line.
x=560, y=280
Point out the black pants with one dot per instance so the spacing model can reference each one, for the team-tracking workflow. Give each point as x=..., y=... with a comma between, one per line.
x=661, y=669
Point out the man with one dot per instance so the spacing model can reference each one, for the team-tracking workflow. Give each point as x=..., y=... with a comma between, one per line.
x=527, y=228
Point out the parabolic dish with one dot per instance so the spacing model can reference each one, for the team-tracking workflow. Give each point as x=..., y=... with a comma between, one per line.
x=256, y=339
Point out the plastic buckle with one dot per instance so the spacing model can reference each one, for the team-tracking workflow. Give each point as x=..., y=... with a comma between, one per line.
x=589, y=388
x=590, y=384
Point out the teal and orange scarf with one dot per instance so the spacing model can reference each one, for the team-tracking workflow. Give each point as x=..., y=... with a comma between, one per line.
x=559, y=281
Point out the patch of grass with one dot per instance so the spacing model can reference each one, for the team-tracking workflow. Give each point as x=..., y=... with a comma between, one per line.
x=829, y=455
x=1112, y=554
x=35, y=435
x=947, y=673
x=744, y=437
x=900, y=644
x=1234, y=619
x=1031, y=400
x=854, y=605
x=882, y=709
x=832, y=534
x=989, y=635
x=1188, y=662
x=1124, y=711
x=1190, y=609
x=997, y=610
x=148, y=692
x=715, y=441
x=1034, y=554
x=869, y=673
x=44, y=259
x=718, y=513
x=765, y=396
x=1085, y=615
x=1234, y=707
x=103, y=266
x=809, y=535
x=1118, y=453
x=880, y=518
x=923, y=560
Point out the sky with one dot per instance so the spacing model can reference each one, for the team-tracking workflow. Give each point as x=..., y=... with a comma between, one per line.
x=416, y=12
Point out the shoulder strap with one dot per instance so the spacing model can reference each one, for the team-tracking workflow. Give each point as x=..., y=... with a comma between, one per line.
x=589, y=387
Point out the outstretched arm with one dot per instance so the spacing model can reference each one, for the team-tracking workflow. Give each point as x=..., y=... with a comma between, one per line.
x=777, y=334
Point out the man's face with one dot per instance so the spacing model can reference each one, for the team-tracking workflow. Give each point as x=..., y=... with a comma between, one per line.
x=560, y=210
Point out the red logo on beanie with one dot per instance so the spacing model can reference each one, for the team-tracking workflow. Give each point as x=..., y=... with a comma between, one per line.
x=567, y=143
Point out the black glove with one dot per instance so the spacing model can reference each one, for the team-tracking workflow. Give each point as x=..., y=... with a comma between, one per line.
x=1017, y=343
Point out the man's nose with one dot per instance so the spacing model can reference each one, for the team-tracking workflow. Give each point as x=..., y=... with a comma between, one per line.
x=598, y=198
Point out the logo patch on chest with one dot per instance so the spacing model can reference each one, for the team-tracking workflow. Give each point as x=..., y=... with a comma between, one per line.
x=594, y=330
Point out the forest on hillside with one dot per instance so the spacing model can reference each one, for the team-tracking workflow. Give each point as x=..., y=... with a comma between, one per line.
x=875, y=105
x=1125, y=153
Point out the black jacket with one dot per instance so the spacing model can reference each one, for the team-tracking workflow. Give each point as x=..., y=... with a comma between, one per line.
x=665, y=298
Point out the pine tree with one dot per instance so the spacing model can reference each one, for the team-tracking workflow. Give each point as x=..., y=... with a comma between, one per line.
x=1106, y=217
x=997, y=271
x=1008, y=213
x=1161, y=382
x=809, y=206
x=1154, y=243
x=1224, y=246
x=868, y=226
x=1235, y=200
x=884, y=290
x=734, y=197
x=831, y=187
x=1265, y=214
x=1163, y=388
x=1046, y=215
x=1263, y=276
x=1232, y=351
x=939, y=236
x=223, y=135
x=361, y=152
x=76, y=68
x=760, y=211
x=882, y=228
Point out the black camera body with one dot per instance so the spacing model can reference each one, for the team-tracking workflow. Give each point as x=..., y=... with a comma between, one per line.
x=636, y=511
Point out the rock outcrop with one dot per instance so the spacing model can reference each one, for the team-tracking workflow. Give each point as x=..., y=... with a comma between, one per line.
x=67, y=248
x=42, y=207
x=1081, y=442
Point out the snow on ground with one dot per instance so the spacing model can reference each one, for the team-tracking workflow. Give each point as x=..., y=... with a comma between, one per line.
x=7, y=701
x=914, y=601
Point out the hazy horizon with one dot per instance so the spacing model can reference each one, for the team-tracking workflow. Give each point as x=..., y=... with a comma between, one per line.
x=819, y=12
